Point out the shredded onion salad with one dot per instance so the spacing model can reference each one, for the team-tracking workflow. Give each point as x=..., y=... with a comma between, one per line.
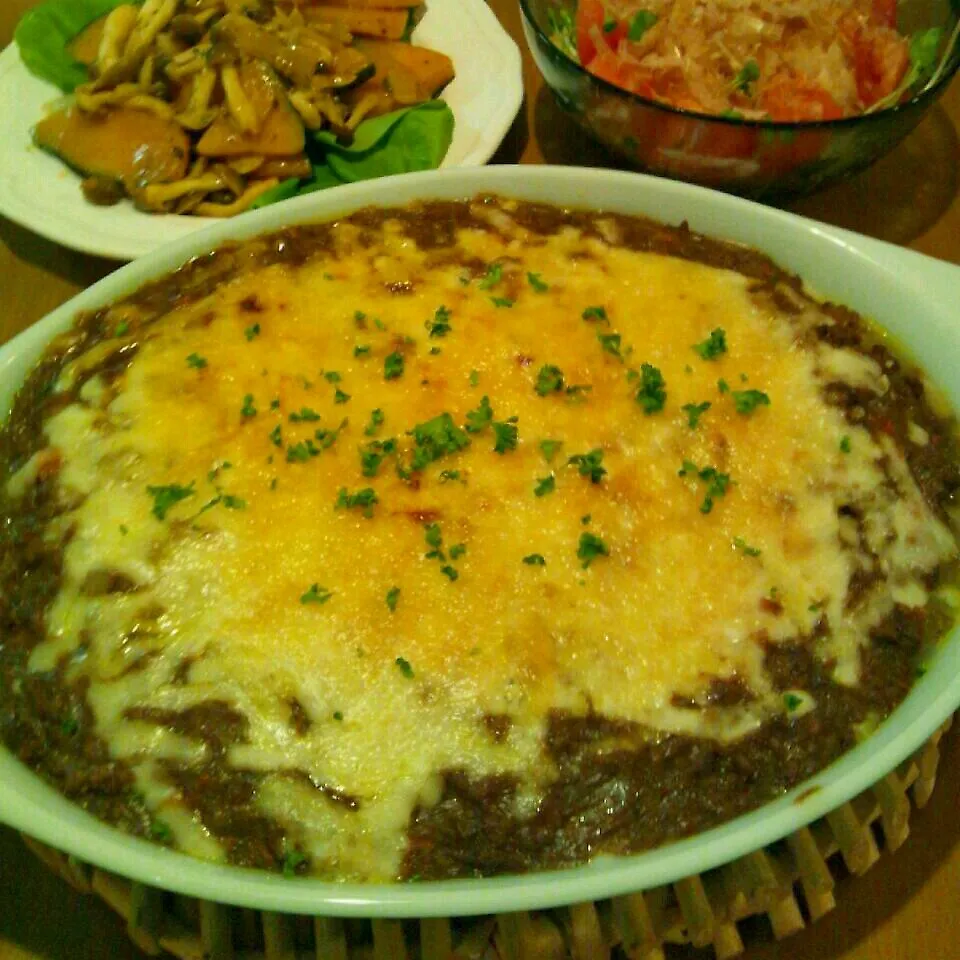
x=780, y=60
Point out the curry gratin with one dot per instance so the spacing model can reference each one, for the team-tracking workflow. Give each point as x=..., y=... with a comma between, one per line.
x=460, y=539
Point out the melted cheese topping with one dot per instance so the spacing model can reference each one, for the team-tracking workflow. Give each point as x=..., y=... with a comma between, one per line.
x=255, y=589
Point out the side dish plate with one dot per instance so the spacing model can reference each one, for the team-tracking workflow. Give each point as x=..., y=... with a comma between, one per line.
x=39, y=192
x=910, y=296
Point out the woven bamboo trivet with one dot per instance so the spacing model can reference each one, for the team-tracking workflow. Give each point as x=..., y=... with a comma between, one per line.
x=778, y=881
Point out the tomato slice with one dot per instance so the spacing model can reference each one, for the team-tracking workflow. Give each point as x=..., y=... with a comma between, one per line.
x=589, y=20
x=796, y=100
x=592, y=21
x=884, y=13
x=880, y=60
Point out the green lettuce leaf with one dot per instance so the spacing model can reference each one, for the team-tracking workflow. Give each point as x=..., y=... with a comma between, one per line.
x=45, y=31
x=419, y=140
x=415, y=138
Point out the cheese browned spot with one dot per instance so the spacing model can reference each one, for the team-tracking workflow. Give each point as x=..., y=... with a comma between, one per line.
x=342, y=531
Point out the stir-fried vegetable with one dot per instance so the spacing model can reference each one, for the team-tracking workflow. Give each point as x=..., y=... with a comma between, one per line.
x=790, y=60
x=213, y=106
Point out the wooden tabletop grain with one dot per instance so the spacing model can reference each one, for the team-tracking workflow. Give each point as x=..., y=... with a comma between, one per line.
x=908, y=906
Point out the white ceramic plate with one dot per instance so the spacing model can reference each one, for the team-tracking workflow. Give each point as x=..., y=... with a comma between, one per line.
x=42, y=194
x=913, y=296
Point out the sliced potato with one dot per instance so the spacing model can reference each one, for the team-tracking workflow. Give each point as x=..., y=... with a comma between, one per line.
x=432, y=70
x=385, y=24
x=119, y=143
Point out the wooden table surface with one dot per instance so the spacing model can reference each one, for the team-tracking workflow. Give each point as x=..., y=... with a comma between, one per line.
x=907, y=906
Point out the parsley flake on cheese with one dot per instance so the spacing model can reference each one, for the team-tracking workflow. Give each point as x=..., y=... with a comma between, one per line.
x=505, y=436
x=436, y=438
x=252, y=331
x=694, y=412
x=405, y=667
x=651, y=394
x=439, y=326
x=537, y=283
x=595, y=315
x=304, y=415
x=393, y=366
x=393, y=595
x=714, y=346
x=167, y=496
x=481, y=418
x=746, y=401
x=549, y=380
x=492, y=277
x=589, y=464
x=589, y=548
x=248, y=409
x=196, y=361
x=316, y=594
x=610, y=343
x=545, y=485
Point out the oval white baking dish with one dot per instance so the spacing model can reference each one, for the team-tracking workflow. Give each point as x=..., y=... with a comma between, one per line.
x=912, y=296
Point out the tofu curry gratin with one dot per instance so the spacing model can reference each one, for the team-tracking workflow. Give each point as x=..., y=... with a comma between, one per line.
x=461, y=539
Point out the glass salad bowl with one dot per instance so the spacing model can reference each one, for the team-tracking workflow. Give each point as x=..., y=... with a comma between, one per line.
x=760, y=159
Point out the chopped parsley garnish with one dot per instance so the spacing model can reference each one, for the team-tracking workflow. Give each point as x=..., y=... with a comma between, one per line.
x=745, y=548
x=549, y=449
x=316, y=594
x=481, y=418
x=165, y=497
x=233, y=503
x=716, y=482
x=549, y=380
x=446, y=476
x=196, y=361
x=328, y=438
x=275, y=403
x=534, y=560
x=502, y=301
x=340, y=397
x=338, y=715
x=694, y=412
x=474, y=377
x=361, y=349
x=252, y=331
x=845, y=445
x=360, y=319
x=393, y=366
x=505, y=436
x=304, y=415
x=746, y=401
x=545, y=485
x=723, y=386
x=435, y=439
x=589, y=548
x=434, y=351
x=492, y=277
x=747, y=76
x=449, y=572
x=161, y=831
x=292, y=861
x=123, y=328
x=642, y=21
x=434, y=538
x=405, y=667
x=374, y=454
x=651, y=394
x=610, y=343
x=538, y=285
x=365, y=499
x=248, y=409
x=331, y=376
x=439, y=326
x=792, y=702
x=714, y=346
x=457, y=551
x=586, y=518
x=393, y=595
x=589, y=464
x=301, y=452
x=375, y=422
x=595, y=314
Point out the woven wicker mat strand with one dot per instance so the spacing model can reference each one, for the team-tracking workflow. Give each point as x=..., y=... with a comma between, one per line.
x=703, y=910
